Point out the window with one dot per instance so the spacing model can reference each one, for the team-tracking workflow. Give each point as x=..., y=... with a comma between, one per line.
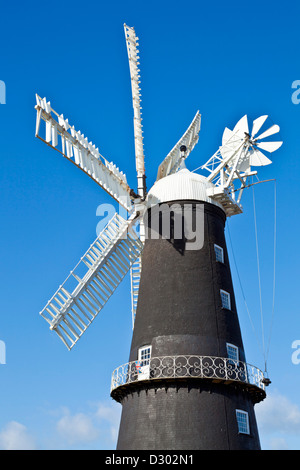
x=232, y=352
x=243, y=421
x=225, y=297
x=144, y=355
x=219, y=253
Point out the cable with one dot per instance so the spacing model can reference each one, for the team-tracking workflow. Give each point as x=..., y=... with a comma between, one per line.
x=262, y=347
x=241, y=287
x=259, y=281
x=274, y=265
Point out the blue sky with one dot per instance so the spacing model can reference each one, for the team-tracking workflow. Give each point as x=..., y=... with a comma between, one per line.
x=225, y=59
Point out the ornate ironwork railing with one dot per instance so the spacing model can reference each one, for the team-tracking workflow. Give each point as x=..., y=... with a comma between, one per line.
x=168, y=367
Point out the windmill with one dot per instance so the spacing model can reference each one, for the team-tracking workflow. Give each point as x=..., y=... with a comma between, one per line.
x=166, y=353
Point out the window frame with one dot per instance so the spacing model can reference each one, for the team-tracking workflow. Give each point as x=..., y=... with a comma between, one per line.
x=233, y=346
x=219, y=249
x=242, y=424
x=144, y=361
x=228, y=298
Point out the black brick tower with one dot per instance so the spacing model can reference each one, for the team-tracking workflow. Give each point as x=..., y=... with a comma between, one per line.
x=193, y=395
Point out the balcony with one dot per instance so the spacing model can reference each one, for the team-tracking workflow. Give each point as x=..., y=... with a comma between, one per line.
x=217, y=369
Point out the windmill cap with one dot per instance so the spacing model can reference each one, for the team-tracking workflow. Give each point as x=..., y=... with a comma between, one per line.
x=183, y=185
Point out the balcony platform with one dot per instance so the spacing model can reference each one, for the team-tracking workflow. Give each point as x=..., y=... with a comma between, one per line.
x=188, y=371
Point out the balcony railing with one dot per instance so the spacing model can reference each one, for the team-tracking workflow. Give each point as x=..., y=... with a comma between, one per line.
x=168, y=367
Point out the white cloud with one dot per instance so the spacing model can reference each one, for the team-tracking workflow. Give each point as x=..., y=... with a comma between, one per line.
x=111, y=414
x=98, y=425
x=278, y=421
x=278, y=413
x=95, y=426
x=77, y=428
x=15, y=436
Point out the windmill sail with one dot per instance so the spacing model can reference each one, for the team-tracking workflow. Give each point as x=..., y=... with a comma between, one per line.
x=135, y=277
x=86, y=290
x=172, y=161
x=76, y=148
x=232, y=162
x=132, y=43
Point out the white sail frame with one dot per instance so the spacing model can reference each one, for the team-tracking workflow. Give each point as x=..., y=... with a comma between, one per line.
x=132, y=43
x=174, y=158
x=76, y=148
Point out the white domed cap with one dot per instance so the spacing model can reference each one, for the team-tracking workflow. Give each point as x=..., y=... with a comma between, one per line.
x=183, y=185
